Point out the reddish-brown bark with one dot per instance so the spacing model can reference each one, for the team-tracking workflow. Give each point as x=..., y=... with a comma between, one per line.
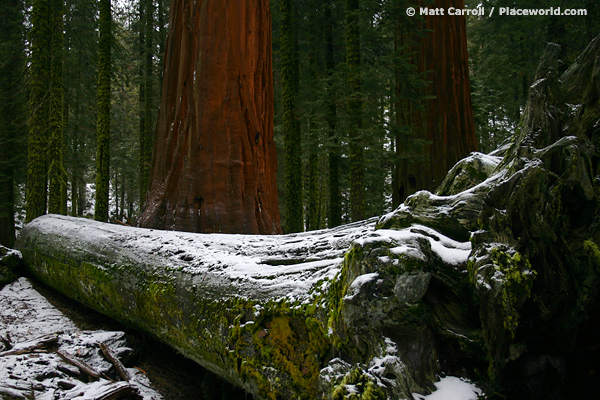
x=214, y=160
x=446, y=123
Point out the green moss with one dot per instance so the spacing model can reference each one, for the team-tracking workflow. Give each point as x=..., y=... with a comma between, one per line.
x=519, y=276
x=363, y=388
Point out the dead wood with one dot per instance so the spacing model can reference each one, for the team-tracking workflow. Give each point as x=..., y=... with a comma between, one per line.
x=111, y=356
x=85, y=368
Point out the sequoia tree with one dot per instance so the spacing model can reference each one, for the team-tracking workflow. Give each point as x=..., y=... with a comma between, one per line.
x=214, y=162
x=443, y=130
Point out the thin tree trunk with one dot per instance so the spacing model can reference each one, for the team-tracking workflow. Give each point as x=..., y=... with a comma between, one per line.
x=335, y=198
x=56, y=171
x=39, y=111
x=294, y=220
x=356, y=151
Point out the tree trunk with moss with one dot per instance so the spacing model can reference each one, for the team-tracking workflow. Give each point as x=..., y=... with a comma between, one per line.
x=35, y=197
x=214, y=161
x=495, y=277
x=103, y=126
x=355, y=142
x=12, y=110
x=57, y=176
x=294, y=204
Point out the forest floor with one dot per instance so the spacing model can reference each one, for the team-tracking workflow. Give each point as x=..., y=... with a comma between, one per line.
x=30, y=312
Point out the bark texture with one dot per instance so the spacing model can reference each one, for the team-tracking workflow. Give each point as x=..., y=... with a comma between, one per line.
x=214, y=160
x=444, y=130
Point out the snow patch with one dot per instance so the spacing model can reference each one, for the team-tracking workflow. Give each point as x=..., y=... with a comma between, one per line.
x=452, y=388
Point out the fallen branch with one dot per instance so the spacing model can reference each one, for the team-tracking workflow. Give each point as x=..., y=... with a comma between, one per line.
x=117, y=390
x=28, y=347
x=110, y=356
x=10, y=394
x=85, y=368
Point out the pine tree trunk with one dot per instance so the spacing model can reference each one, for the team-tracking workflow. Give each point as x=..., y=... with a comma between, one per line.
x=146, y=95
x=214, y=161
x=294, y=220
x=12, y=54
x=56, y=172
x=356, y=151
x=103, y=143
x=39, y=111
x=335, y=199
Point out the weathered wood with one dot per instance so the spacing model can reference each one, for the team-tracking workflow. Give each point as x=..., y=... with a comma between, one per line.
x=112, y=357
x=28, y=347
x=115, y=391
x=12, y=394
x=83, y=367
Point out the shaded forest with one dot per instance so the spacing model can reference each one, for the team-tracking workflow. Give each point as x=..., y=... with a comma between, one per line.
x=283, y=116
x=354, y=84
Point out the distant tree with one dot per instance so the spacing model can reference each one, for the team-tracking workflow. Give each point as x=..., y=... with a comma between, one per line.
x=80, y=82
x=443, y=130
x=12, y=67
x=355, y=109
x=39, y=104
x=294, y=209
x=146, y=94
x=57, y=177
x=334, y=213
x=103, y=129
x=213, y=165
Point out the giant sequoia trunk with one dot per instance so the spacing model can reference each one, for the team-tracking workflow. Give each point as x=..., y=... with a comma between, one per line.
x=443, y=130
x=214, y=161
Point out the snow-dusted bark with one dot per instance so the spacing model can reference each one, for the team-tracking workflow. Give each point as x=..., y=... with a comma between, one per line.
x=270, y=313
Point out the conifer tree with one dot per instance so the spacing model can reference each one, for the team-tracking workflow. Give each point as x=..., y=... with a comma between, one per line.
x=57, y=201
x=334, y=214
x=12, y=65
x=355, y=105
x=291, y=127
x=39, y=110
x=146, y=95
x=103, y=126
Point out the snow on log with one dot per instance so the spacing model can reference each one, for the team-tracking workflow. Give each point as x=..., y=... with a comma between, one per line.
x=291, y=316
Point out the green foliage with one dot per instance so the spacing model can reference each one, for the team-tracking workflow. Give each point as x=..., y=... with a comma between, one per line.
x=504, y=53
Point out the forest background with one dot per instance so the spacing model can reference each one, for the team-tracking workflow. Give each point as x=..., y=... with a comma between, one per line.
x=503, y=54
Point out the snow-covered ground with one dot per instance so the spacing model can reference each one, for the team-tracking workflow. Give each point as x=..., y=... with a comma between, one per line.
x=452, y=388
x=25, y=318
